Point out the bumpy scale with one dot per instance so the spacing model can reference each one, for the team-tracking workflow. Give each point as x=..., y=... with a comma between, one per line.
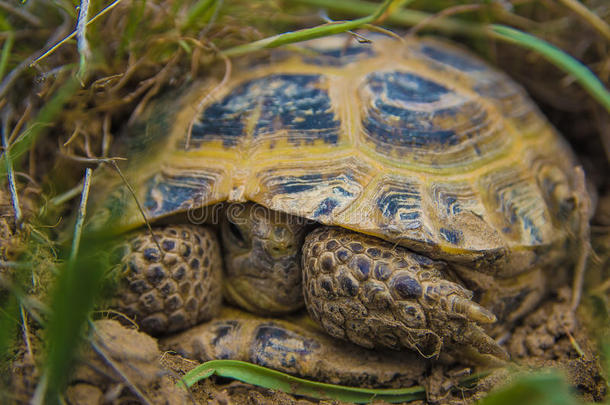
x=174, y=289
x=375, y=294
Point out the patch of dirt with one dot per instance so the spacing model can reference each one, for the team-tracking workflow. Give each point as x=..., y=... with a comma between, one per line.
x=124, y=365
x=119, y=366
x=552, y=337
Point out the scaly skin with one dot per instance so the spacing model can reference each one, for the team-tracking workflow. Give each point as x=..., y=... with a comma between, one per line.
x=175, y=289
x=374, y=294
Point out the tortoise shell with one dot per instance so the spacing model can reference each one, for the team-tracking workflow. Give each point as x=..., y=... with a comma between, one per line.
x=416, y=142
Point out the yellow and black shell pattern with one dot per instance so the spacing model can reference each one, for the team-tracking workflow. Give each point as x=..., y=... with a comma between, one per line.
x=415, y=141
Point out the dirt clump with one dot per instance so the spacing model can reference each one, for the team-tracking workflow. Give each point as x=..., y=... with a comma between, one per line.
x=552, y=337
x=121, y=365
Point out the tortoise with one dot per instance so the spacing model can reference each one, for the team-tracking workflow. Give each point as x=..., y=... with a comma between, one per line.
x=407, y=193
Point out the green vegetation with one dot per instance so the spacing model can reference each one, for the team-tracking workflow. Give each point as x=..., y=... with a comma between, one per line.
x=265, y=377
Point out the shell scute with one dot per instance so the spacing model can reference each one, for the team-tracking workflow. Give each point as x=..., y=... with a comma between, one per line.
x=518, y=206
x=510, y=99
x=319, y=196
x=399, y=202
x=421, y=122
x=457, y=214
x=168, y=192
x=398, y=111
x=295, y=104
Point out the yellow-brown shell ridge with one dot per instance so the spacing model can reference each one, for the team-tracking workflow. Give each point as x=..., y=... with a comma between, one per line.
x=416, y=142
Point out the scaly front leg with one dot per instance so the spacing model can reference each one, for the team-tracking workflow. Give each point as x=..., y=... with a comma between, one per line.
x=172, y=289
x=372, y=293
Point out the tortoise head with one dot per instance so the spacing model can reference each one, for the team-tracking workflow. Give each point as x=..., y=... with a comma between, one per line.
x=262, y=253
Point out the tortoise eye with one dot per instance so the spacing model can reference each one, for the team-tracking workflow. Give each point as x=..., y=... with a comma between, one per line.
x=237, y=234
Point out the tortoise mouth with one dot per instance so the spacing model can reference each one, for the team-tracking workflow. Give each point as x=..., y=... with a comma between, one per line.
x=253, y=294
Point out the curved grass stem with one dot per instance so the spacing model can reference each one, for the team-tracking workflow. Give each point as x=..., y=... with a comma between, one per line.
x=323, y=30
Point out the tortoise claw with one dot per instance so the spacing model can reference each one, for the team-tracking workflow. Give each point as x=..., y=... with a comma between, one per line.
x=456, y=317
x=471, y=310
x=476, y=337
x=456, y=300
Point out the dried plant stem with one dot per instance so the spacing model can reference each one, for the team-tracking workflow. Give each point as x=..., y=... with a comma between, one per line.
x=69, y=37
x=26, y=332
x=12, y=185
x=584, y=236
x=135, y=197
x=20, y=122
x=589, y=16
x=157, y=81
x=81, y=38
x=80, y=217
x=107, y=136
x=67, y=196
x=90, y=159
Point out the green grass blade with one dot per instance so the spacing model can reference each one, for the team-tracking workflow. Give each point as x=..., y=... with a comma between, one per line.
x=404, y=17
x=6, y=51
x=199, y=13
x=544, y=388
x=272, y=379
x=562, y=60
x=73, y=298
x=9, y=321
x=76, y=291
x=310, y=33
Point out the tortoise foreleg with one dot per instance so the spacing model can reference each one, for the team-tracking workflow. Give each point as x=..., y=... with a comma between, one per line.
x=372, y=293
x=173, y=289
